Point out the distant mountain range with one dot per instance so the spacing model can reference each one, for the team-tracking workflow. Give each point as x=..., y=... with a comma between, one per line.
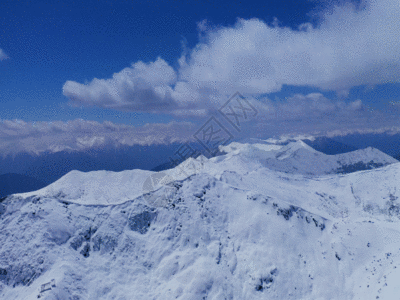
x=329, y=146
x=48, y=167
x=16, y=183
x=385, y=142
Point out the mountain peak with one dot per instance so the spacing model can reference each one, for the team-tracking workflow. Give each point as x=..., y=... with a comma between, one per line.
x=299, y=158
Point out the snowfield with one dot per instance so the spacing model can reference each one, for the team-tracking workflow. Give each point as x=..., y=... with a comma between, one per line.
x=264, y=221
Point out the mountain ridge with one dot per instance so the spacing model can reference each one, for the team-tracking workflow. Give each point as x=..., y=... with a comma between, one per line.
x=283, y=158
x=227, y=227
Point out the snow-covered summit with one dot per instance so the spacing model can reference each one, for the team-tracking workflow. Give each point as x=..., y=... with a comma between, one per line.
x=299, y=158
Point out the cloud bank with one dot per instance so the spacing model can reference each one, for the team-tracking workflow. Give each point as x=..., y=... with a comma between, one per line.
x=311, y=114
x=17, y=136
x=3, y=56
x=314, y=114
x=350, y=47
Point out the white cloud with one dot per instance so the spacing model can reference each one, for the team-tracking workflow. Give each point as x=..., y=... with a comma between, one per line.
x=77, y=135
x=350, y=47
x=151, y=88
x=142, y=87
x=3, y=55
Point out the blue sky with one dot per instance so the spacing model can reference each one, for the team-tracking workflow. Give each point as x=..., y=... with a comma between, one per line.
x=50, y=42
x=138, y=62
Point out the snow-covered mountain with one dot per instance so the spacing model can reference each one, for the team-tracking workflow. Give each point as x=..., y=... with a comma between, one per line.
x=264, y=221
x=297, y=157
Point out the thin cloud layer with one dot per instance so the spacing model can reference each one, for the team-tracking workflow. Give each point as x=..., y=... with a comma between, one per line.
x=3, y=55
x=79, y=135
x=311, y=114
x=315, y=114
x=350, y=47
x=313, y=106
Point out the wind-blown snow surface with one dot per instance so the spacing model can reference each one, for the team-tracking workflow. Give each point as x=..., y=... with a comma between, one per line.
x=235, y=228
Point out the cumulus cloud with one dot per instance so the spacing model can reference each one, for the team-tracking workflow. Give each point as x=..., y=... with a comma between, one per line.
x=2, y=55
x=350, y=47
x=142, y=87
x=78, y=135
x=150, y=87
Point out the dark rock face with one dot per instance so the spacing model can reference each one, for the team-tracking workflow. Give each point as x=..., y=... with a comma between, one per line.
x=85, y=235
x=359, y=166
x=266, y=282
x=106, y=243
x=292, y=210
x=85, y=251
x=287, y=213
x=77, y=242
x=141, y=222
x=20, y=274
x=2, y=209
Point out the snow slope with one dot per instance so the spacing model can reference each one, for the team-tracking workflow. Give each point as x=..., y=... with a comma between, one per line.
x=96, y=187
x=244, y=225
